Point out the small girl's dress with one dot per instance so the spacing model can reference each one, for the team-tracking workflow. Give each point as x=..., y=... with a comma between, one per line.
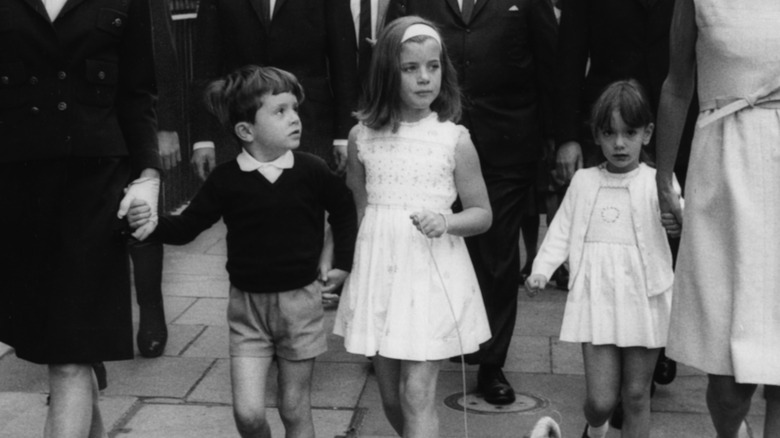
x=608, y=303
x=405, y=291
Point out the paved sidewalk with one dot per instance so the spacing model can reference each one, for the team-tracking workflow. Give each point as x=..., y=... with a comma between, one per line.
x=186, y=392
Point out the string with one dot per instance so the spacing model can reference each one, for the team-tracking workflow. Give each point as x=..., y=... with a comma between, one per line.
x=429, y=242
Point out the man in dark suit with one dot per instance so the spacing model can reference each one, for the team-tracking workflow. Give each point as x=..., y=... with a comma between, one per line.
x=621, y=39
x=313, y=39
x=503, y=51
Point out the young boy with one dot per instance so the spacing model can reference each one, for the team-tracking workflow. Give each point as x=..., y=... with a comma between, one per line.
x=273, y=202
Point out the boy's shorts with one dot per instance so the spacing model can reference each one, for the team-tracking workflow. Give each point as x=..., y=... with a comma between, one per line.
x=287, y=324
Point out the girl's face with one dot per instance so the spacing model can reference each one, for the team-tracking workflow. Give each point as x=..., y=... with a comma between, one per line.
x=420, y=78
x=622, y=144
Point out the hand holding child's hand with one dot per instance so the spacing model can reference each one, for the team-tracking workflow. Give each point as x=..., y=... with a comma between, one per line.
x=429, y=223
x=139, y=214
x=671, y=224
x=534, y=283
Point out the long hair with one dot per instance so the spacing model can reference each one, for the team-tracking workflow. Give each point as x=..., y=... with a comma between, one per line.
x=381, y=106
x=237, y=96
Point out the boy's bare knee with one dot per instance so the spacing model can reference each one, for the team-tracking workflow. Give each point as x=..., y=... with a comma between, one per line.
x=250, y=422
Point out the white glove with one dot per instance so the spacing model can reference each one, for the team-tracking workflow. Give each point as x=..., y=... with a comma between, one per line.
x=145, y=189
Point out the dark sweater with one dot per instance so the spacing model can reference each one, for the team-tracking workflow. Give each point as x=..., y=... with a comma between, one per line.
x=274, y=231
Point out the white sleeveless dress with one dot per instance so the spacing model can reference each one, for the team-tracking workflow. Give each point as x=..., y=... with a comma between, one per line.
x=406, y=291
x=726, y=306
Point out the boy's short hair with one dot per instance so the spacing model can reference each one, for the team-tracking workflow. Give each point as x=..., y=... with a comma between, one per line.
x=237, y=96
x=382, y=101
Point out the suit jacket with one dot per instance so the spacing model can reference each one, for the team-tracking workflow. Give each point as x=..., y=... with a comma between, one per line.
x=313, y=39
x=504, y=57
x=81, y=86
x=623, y=39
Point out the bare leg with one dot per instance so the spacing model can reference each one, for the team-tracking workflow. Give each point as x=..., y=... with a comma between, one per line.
x=388, y=375
x=73, y=403
x=638, y=367
x=602, y=381
x=248, y=379
x=772, y=417
x=418, y=399
x=729, y=403
x=295, y=397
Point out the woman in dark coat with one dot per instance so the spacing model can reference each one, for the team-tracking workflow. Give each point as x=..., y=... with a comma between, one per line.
x=77, y=123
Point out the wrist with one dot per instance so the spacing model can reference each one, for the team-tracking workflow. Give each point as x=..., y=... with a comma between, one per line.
x=446, y=223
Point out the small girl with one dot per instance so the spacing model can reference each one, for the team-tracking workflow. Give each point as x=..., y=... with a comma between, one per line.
x=620, y=264
x=412, y=298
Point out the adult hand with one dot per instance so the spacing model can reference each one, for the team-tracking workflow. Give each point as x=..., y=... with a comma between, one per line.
x=668, y=199
x=340, y=157
x=203, y=161
x=145, y=189
x=168, y=143
x=567, y=161
x=331, y=280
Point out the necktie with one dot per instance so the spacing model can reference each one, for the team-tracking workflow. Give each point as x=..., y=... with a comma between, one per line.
x=364, y=34
x=466, y=9
x=265, y=6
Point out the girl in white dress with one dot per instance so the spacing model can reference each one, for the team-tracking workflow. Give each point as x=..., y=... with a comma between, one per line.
x=412, y=298
x=609, y=228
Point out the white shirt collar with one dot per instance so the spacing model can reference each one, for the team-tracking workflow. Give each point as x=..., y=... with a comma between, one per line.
x=271, y=170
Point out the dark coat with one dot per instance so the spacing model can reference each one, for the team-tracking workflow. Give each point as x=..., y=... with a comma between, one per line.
x=67, y=89
x=77, y=123
x=313, y=39
x=170, y=86
x=623, y=39
x=504, y=57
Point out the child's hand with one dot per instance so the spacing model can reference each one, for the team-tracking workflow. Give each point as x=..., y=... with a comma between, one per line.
x=331, y=280
x=139, y=214
x=671, y=224
x=429, y=223
x=534, y=283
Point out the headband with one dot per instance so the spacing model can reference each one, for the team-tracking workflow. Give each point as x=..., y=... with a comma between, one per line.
x=419, y=29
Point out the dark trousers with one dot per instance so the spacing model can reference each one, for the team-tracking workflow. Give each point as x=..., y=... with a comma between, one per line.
x=496, y=255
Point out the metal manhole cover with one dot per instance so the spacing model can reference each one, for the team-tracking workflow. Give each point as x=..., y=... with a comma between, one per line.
x=474, y=403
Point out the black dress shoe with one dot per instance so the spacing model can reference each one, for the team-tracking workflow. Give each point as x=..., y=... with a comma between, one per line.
x=493, y=385
x=665, y=370
x=152, y=332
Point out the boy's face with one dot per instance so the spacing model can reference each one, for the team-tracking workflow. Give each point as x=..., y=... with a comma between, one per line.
x=277, y=126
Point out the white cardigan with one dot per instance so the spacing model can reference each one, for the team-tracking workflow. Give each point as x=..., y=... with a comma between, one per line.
x=566, y=234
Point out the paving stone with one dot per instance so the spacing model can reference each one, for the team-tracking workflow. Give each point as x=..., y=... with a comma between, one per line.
x=160, y=377
x=543, y=318
x=186, y=285
x=212, y=342
x=180, y=337
x=194, y=264
x=205, y=311
x=566, y=357
x=174, y=308
x=17, y=375
x=529, y=354
x=23, y=415
x=335, y=385
x=197, y=421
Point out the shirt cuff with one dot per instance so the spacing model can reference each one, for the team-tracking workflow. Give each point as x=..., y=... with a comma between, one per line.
x=203, y=145
x=339, y=142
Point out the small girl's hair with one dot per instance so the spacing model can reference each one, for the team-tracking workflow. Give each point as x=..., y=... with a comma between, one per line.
x=237, y=96
x=629, y=99
x=381, y=106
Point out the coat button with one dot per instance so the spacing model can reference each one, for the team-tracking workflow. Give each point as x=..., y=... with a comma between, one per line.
x=101, y=75
x=62, y=106
x=62, y=75
x=35, y=110
x=5, y=80
x=117, y=22
x=33, y=80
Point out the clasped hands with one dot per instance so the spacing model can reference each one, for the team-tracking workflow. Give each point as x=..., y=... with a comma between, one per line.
x=139, y=205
